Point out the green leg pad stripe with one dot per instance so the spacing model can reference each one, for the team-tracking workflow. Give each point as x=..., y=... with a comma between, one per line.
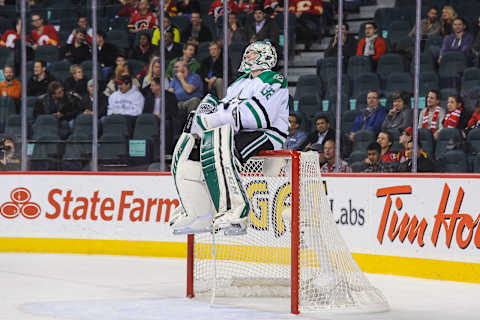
x=209, y=169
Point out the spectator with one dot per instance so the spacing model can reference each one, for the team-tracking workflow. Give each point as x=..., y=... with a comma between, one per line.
x=296, y=138
x=211, y=71
x=430, y=25
x=188, y=53
x=370, y=118
x=86, y=102
x=196, y=31
x=374, y=161
x=385, y=140
x=172, y=49
x=455, y=117
x=263, y=29
x=38, y=83
x=10, y=87
x=43, y=34
x=107, y=53
x=10, y=36
x=403, y=140
x=235, y=31
x=187, y=86
x=474, y=121
x=168, y=27
x=322, y=133
x=120, y=70
x=446, y=20
x=249, y=6
x=127, y=100
x=144, y=49
x=82, y=24
x=400, y=115
x=349, y=44
x=153, y=72
x=330, y=165
x=76, y=84
x=78, y=51
x=424, y=164
x=216, y=8
x=187, y=7
x=170, y=7
x=143, y=18
x=309, y=20
x=432, y=116
x=129, y=7
x=458, y=40
x=372, y=45
x=60, y=104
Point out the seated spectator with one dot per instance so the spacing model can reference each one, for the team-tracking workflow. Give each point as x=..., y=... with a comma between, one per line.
x=60, y=104
x=374, y=161
x=249, y=6
x=38, y=83
x=459, y=40
x=318, y=148
x=431, y=26
x=10, y=87
x=187, y=57
x=432, y=116
x=296, y=138
x=196, y=31
x=330, y=156
x=187, y=7
x=405, y=137
x=385, y=140
x=216, y=9
x=263, y=29
x=309, y=20
x=82, y=24
x=129, y=7
x=474, y=121
x=120, y=70
x=370, y=118
x=168, y=27
x=424, y=164
x=455, y=117
x=107, y=53
x=78, y=51
x=349, y=44
x=211, y=71
x=143, y=18
x=43, y=34
x=322, y=133
x=400, y=115
x=127, y=100
x=446, y=19
x=372, y=45
x=235, y=31
x=153, y=72
x=172, y=49
x=169, y=7
x=187, y=86
x=86, y=103
x=76, y=84
x=144, y=49
x=10, y=36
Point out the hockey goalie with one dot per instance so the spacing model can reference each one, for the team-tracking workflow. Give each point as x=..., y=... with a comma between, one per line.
x=222, y=135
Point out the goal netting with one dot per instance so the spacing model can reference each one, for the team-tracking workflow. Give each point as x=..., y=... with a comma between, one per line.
x=292, y=247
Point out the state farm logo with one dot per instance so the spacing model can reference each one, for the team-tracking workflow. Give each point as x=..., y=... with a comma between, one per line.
x=20, y=204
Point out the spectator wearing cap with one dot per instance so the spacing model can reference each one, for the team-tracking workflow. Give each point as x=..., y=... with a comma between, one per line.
x=263, y=29
x=432, y=116
x=187, y=86
x=120, y=70
x=459, y=40
x=374, y=160
x=385, y=140
x=424, y=164
x=322, y=133
x=372, y=45
x=455, y=117
x=127, y=100
x=371, y=117
x=107, y=53
x=78, y=51
x=296, y=138
x=10, y=87
x=400, y=115
x=196, y=31
x=38, y=83
x=86, y=103
x=403, y=140
x=330, y=157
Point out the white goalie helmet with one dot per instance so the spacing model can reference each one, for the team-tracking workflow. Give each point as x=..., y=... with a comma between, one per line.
x=259, y=55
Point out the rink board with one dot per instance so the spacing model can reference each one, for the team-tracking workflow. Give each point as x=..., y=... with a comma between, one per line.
x=413, y=225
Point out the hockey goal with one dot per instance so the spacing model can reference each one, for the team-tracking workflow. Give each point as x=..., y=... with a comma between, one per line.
x=292, y=247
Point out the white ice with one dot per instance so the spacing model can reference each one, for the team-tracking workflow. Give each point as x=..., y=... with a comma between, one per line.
x=90, y=287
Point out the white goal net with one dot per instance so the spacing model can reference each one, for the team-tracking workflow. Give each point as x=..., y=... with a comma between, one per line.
x=292, y=247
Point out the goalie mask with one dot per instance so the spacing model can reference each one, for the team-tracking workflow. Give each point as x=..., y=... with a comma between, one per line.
x=259, y=55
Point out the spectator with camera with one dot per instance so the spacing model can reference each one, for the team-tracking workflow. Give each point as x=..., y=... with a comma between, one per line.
x=78, y=51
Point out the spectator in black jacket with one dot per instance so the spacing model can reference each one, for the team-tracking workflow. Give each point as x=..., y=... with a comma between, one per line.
x=78, y=51
x=196, y=31
x=76, y=84
x=38, y=83
x=263, y=29
x=349, y=44
x=86, y=103
x=172, y=49
x=211, y=71
x=143, y=49
x=107, y=53
x=322, y=134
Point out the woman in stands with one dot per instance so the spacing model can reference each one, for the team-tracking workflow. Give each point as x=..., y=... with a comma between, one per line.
x=448, y=15
x=400, y=115
x=76, y=84
x=455, y=115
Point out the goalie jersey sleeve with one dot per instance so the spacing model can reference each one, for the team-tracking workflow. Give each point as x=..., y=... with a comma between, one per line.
x=262, y=104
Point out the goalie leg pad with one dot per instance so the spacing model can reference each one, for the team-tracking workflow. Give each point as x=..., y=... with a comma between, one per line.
x=196, y=211
x=222, y=178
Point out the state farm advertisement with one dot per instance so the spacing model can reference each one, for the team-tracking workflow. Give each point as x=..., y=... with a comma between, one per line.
x=133, y=207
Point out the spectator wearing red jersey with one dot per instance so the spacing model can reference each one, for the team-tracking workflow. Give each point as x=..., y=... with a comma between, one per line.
x=249, y=6
x=43, y=34
x=309, y=19
x=216, y=8
x=454, y=118
x=129, y=7
x=474, y=121
x=12, y=35
x=82, y=24
x=143, y=18
x=372, y=45
x=385, y=140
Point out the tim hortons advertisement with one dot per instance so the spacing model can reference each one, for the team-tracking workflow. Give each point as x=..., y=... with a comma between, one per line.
x=435, y=218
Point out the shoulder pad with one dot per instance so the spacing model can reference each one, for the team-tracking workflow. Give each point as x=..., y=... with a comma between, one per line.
x=272, y=77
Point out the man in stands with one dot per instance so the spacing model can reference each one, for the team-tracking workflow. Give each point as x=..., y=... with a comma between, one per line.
x=372, y=45
x=43, y=34
x=385, y=140
x=143, y=18
x=403, y=140
x=82, y=24
x=370, y=118
x=309, y=19
x=172, y=49
x=374, y=161
x=10, y=87
x=296, y=138
x=432, y=116
x=349, y=44
x=168, y=27
x=78, y=51
x=459, y=40
x=322, y=133
x=424, y=164
x=107, y=53
x=187, y=86
x=38, y=83
x=263, y=29
x=196, y=31
x=400, y=115
x=188, y=53
x=330, y=165
x=430, y=25
x=211, y=71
